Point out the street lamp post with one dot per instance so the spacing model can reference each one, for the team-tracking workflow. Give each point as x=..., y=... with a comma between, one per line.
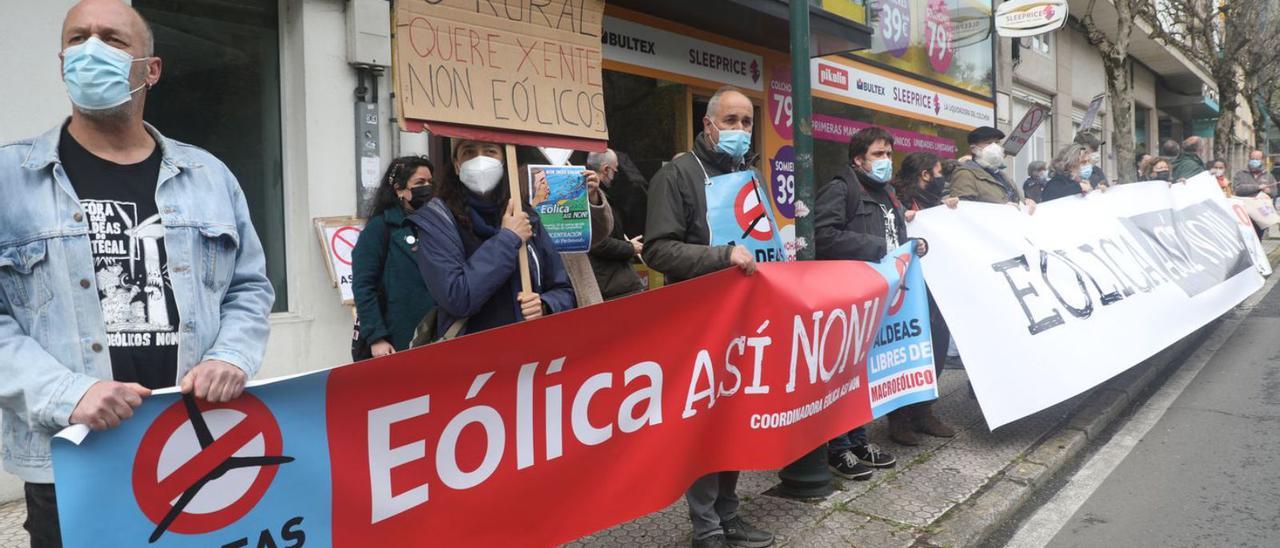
x=808, y=477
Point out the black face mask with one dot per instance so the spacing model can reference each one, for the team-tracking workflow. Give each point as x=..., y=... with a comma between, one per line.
x=420, y=196
x=1161, y=175
x=935, y=185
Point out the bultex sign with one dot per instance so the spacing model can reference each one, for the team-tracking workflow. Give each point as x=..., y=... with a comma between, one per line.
x=1019, y=18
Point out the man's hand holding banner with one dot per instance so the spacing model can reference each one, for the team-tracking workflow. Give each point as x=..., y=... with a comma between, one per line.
x=533, y=434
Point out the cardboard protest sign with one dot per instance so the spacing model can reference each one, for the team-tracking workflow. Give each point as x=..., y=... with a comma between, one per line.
x=559, y=195
x=338, y=236
x=1026, y=127
x=523, y=65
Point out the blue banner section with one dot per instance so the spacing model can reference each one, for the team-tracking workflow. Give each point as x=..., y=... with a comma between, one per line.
x=737, y=214
x=900, y=367
x=244, y=471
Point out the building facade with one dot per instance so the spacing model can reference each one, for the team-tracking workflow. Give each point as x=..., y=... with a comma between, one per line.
x=1174, y=97
x=267, y=86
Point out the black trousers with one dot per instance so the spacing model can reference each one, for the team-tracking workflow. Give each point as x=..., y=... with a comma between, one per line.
x=42, y=516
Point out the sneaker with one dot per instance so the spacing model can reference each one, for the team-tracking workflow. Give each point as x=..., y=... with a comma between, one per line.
x=929, y=424
x=737, y=532
x=713, y=541
x=846, y=465
x=871, y=455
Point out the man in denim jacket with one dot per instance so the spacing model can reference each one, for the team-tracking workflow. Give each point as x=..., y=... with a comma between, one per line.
x=127, y=261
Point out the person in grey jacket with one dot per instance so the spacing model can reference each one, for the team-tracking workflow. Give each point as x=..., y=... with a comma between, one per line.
x=1255, y=180
x=128, y=261
x=611, y=256
x=678, y=244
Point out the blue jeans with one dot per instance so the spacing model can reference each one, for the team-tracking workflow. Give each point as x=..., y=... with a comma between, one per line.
x=844, y=442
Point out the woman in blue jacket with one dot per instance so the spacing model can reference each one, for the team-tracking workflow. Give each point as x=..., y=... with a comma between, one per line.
x=390, y=297
x=470, y=245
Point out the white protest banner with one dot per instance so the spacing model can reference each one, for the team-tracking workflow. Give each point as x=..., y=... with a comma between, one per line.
x=524, y=65
x=1031, y=121
x=1046, y=306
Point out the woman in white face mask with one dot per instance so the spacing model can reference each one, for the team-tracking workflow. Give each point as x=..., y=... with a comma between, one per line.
x=469, y=248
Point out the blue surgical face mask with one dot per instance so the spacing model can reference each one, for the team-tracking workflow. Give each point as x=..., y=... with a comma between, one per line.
x=734, y=142
x=1086, y=171
x=881, y=169
x=97, y=75
x=1255, y=164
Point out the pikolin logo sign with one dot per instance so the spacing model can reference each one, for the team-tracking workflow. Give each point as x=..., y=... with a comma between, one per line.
x=833, y=76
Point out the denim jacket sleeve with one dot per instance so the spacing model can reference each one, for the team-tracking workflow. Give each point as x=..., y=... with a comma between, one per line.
x=246, y=306
x=41, y=391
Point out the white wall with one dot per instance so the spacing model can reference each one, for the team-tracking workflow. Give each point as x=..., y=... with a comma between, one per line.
x=320, y=171
x=34, y=99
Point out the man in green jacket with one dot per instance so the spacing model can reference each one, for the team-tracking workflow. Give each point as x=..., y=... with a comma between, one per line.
x=1189, y=163
x=980, y=179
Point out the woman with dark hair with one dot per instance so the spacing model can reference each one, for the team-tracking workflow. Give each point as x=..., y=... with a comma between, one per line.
x=920, y=185
x=470, y=248
x=919, y=182
x=390, y=296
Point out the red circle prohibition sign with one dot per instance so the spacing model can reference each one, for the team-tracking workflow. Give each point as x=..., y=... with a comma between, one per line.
x=1037, y=115
x=751, y=217
x=158, y=497
x=348, y=243
x=900, y=297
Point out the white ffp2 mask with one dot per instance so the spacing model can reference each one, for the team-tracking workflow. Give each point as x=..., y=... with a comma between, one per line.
x=481, y=174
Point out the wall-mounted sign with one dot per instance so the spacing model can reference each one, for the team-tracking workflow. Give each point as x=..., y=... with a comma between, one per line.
x=881, y=90
x=1030, y=17
x=644, y=46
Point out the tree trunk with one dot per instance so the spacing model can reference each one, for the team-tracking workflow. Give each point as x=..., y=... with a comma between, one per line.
x=1228, y=100
x=1259, y=120
x=1121, y=96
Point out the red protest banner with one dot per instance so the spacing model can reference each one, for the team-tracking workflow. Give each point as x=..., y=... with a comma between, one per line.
x=556, y=429
x=529, y=435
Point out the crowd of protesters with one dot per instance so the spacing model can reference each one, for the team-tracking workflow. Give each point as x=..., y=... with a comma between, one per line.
x=440, y=255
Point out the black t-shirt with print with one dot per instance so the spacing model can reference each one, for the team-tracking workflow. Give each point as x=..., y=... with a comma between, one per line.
x=132, y=271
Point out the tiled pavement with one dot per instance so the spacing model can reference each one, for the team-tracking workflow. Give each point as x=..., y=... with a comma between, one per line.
x=12, y=515
x=892, y=509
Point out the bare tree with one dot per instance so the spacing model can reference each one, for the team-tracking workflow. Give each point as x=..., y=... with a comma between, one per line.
x=1114, y=51
x=1234, y=40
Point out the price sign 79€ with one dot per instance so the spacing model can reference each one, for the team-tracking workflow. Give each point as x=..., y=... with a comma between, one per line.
x=938, y=41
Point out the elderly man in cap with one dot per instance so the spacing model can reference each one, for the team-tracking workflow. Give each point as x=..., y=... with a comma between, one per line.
x=980, y=179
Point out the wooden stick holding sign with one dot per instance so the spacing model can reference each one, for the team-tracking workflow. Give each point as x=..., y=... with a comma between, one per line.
x=513, y=179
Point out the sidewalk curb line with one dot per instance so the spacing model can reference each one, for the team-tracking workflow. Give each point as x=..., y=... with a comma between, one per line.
x=972, y=521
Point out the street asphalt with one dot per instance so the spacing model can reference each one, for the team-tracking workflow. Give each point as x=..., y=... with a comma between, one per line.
x=1204, y=471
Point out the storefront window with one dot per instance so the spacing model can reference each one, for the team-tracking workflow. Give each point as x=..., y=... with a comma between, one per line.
x=834, y=123
x=220, y=90
x=948, y=41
